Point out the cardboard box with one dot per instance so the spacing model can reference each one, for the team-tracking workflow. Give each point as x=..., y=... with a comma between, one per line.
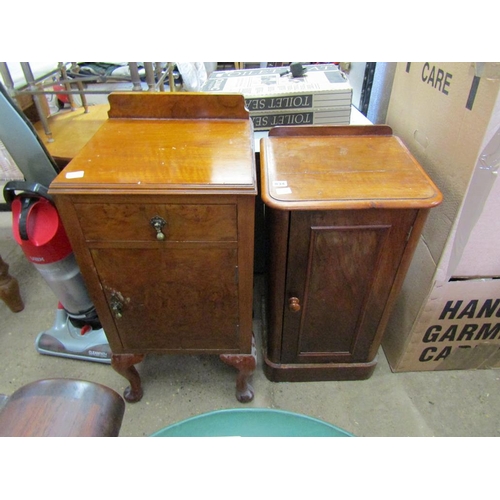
x=323, y=116
x=323, y=96
x=448, y=114
x=457, y=329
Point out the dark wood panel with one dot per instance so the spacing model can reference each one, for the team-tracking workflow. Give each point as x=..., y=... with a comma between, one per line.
x=172, y=105
x=329, y=130
x=172, y=299
x=277, y=223
x=131, y=222
x=341, y=269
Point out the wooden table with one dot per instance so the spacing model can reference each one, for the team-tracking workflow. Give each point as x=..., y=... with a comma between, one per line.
x=71, y=130
x=159, y=209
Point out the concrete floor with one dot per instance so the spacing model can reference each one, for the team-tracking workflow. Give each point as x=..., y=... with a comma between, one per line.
x=452, y=403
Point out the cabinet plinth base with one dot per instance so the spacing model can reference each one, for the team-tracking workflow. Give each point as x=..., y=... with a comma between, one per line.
x=317, y=372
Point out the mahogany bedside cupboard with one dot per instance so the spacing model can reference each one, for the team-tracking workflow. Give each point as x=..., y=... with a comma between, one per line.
x=159, y=209
x=345, y=207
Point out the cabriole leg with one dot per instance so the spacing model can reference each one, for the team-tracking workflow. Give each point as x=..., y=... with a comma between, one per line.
x=245, y=364
x=124, y=365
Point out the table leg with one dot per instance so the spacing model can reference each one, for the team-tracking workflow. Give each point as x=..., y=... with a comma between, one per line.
x=9, y=289
x=245, y=364
x=124, y=365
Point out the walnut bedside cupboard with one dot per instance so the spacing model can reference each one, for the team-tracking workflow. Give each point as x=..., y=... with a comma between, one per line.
x=159, y=208
x=345, y=207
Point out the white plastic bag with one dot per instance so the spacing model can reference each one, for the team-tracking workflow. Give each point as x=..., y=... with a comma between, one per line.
x=194, y=75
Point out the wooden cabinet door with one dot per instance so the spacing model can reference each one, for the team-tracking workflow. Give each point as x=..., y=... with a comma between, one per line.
x=177, y=298
x=341, y=267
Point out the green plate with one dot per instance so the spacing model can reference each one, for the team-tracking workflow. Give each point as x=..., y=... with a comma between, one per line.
x=251, y=422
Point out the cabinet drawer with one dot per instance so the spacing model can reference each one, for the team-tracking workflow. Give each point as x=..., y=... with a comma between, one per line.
x=132, y=222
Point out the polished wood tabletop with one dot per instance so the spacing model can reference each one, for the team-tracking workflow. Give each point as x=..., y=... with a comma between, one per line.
x=164, y=153
x=344, y=171
x=71, y=130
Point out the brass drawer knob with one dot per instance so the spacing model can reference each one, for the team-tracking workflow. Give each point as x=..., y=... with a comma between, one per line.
x=158, y=223
x=294, y=304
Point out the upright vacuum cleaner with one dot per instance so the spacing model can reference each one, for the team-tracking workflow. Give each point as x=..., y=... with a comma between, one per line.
x=36, y=226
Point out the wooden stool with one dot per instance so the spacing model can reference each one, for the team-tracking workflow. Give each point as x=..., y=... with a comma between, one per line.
x=9, y=289
x=62, y=408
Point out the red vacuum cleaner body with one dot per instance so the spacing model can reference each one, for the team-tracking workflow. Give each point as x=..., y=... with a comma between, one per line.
x=38, y=230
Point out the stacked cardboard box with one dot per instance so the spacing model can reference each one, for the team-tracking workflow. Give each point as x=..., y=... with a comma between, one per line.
x=448, y=313
x=273, y=97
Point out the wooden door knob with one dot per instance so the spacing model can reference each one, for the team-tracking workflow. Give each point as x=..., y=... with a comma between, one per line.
x=294, y=304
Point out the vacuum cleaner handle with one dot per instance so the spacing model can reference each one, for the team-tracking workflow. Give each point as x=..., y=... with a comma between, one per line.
x=29, y=193
x=28, y=189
